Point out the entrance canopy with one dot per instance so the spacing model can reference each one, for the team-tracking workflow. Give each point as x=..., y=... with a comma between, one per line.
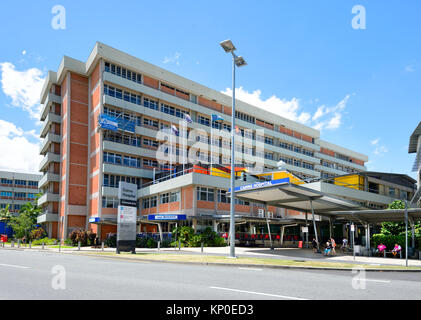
x=283, y=193
x=378, y=216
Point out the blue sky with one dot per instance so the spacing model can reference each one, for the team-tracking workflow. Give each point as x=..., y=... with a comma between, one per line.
x=303, y=56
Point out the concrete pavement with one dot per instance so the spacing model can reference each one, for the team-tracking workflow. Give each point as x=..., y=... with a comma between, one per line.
x=30, y=274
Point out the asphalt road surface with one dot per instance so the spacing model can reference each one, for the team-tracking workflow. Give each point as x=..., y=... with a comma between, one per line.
x=46, y=275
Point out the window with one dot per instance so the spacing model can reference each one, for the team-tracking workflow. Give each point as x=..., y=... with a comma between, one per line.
x=20, y=182
x=150, y=143
x=6, y=181
x=6, y=194
x=268, y=140
x=150, y=123
x=205, y=194
x=175, y=196
x=150, y=163
x=203, y=120
x=33, y=183
x=151, y=104
x=110, y=202
x=392, y=192
x=164, y=198
x=20, y=195
x=222, y=196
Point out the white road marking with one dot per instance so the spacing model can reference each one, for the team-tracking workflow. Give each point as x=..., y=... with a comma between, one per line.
x=252, y=269
x=13, y=266
x=375, y=280
x=258, y=293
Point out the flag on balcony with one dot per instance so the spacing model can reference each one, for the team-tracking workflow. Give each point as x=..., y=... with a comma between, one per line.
x=174, y=130
x=216, y=118
x=187, y=118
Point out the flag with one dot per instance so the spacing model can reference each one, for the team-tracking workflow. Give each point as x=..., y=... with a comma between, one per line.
x=216, y=117
x=187, y=118
x=174, y=130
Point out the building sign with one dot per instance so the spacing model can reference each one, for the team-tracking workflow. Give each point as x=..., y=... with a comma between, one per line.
x=259, y=185
x=167, y=217
x=94, y=219
x=127, y=216
x=304, y=229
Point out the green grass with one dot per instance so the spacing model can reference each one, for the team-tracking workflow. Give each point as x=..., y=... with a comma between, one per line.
x=63, y=247
x=249, y=261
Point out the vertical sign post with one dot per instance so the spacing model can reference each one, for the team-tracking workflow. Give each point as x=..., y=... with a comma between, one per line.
x=127, y=214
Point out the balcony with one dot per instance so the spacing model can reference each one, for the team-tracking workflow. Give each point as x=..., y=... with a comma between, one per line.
x=49, y=138
x=48, y=158
x=342, y=162
x=51, y=118
x=47, y=178
x=47, y=217
x=48, y=197
x=51, y=98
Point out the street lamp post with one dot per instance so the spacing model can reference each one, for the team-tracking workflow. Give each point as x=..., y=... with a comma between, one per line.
x=238, y=61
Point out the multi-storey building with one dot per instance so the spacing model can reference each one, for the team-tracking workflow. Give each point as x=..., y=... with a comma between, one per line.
x=17, y=188
x=84, y=161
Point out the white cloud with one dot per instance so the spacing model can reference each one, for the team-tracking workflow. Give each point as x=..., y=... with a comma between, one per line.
x=23, y=87
x=379, y=149
x=174, y=59
x=329, y=118
x=410, y=68
x=17, y=152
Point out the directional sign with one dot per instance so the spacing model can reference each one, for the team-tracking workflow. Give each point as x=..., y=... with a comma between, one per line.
x=259, y=185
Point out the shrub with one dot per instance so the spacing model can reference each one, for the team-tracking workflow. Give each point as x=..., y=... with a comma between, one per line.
x=85, y=238
x=38, y=233
x=111, y=240
x=47, y=242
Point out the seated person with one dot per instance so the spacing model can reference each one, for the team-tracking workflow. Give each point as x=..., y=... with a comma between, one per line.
x=328, y=249
x=380, y=249
x=396, y=249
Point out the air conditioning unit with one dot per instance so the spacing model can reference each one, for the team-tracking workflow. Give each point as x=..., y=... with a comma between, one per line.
x=261, y=213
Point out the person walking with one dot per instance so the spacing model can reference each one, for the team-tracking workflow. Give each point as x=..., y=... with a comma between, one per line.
x=333, y=244
x=314, y=245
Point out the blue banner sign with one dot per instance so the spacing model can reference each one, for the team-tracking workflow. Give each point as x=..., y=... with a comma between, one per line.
x=166, y=217
x=108, y=122
x=112, y=123
x=259, y=185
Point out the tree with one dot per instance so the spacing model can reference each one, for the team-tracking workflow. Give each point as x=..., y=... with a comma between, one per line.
x=5, y=214
x=395, y=228
x=22, y=225
x=32, y=210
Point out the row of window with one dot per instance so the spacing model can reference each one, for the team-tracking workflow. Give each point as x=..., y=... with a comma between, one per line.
x=124, y=160
x=14, y=207
x=123, y=72
x=9, y=194
x=208, y=194
x=19, y=182
x=112, y=181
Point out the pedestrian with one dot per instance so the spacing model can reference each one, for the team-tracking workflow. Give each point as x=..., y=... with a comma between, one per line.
x=344, y=244
x=333, y=244
x=314, y=245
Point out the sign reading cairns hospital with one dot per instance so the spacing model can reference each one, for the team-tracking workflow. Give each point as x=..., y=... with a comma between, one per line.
x=126, y=220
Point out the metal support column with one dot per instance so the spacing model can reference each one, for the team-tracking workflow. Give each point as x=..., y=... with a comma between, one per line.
x=314, y=225
x=406, y=232
x=307, y=230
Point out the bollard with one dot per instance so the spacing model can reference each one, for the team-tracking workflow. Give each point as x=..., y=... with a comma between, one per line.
x=102, y=246
x=159, y=245
x=59, y=246
x=19, y=243
x=13, y=244
x=201, y=249
x=78, y=246
x=30, y=244
x=43, y=245
x=179, y=245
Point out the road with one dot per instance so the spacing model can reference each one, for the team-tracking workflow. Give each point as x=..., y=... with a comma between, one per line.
x=29, y=275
